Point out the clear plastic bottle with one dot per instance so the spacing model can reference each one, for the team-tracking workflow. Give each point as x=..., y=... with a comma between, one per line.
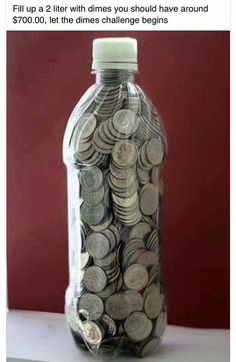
x=114, y=150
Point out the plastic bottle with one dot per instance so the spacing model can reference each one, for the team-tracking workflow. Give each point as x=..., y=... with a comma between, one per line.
x=114, y=150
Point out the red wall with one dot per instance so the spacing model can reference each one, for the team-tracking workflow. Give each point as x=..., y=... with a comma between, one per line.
x=187, y=76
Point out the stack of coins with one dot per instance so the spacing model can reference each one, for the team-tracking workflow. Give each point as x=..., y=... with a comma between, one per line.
x=118, y=152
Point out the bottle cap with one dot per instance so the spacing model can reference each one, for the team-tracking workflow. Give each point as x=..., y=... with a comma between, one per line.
x=115, y=53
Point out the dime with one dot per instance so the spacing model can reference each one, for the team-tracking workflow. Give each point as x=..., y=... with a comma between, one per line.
x=95, y=279
x=161, y=324
x=118, y=306
x=154, y=151
x=97, y=245
x=153, y=304
x=136, y=300
x=125, y=154
x=149, y=199
x=92, y=304
x=138, y=326
x=111, y=239
x=149, y=346
x=92, y=197
x=125, y=121
x=91, y=178
x=148, y=259
x=107, y=291
x=92, y=214
x=136, y=277
x=103, y=225
x=92, y=333
x=107, y=260
x=85, y=127
x=84, y=260
x=140, y=231
x=112, y=328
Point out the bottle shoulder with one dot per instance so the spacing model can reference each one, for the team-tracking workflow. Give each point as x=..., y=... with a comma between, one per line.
x=108, y=112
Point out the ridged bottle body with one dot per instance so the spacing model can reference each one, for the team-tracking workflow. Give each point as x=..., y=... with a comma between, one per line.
x=115, y=150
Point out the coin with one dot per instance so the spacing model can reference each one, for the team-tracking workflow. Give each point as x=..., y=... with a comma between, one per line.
x=125, y=154
x=118, y=306
x=85, y=127
x=161, y=324
x=92, y=304
x=107, y=291
x=125, y=121
x=154, y=151
x=112, y=328
x=95, y=279
x=91, y=178
x=149, y=346
x=138, y=326
x=111, y=239
x=92, y=214
x=92, y=333
x=153, y=304
x=140, y=231
x=148, y=259
x=103, y=224
x=97, y=245
x=84, y=260
x=107, y=260
x=149, y=199
x=136, y=277
x=92, y=197
x=136, y=300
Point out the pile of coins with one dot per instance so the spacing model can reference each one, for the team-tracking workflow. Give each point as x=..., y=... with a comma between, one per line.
x=119, y=151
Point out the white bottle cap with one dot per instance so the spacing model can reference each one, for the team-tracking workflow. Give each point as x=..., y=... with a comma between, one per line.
x=115, y=53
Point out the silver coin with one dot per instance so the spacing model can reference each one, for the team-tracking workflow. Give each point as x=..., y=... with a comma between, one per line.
x=125, y=153
x=112, y=328
x=140, y=231
x=107, y=260
x=95, y=279
x=149, y=346
x=103, y=224
x=97, y=245
x=92, y=333
x=92, y=304
x=92, y=214
x=111, y=238
x=148, y=259
x=118, y=306
x=136, y=300
x=125, y=121
x=136, y=277
x=84, y=260
x=85, y=127
x=149, y=199
x=138, y=326
x=91, y=178
x=153, y=288
x=107, y=291
x=154, y=151
x=153, y=304
x=161, y=324
x=92, y=197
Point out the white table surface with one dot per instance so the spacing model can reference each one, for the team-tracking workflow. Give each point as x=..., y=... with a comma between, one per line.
x=37, y=336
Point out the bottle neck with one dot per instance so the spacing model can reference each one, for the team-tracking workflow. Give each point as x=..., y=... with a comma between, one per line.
x=114, y=76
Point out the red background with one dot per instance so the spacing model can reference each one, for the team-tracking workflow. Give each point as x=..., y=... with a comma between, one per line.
x=186, y=75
